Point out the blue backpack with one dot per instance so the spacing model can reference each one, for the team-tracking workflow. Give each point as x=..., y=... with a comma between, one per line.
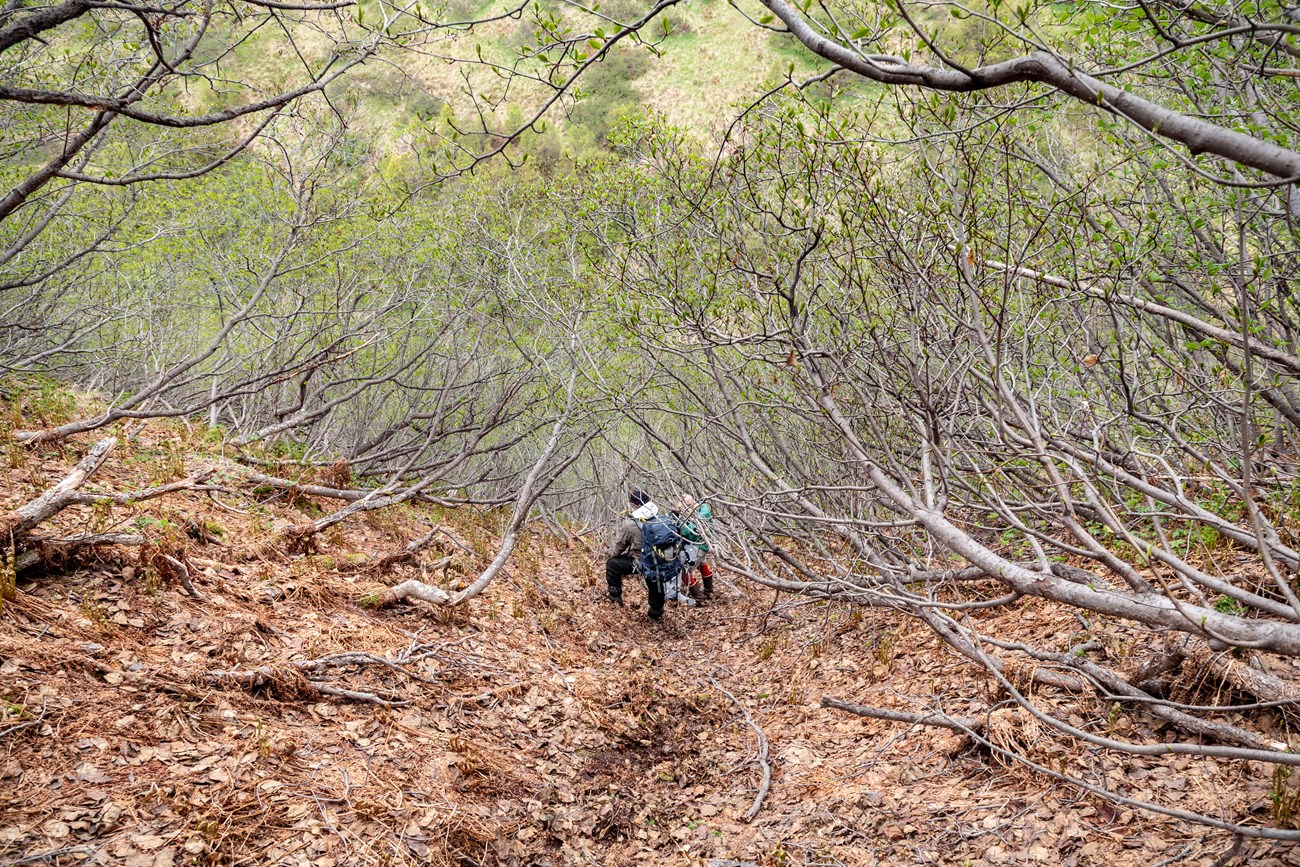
x=661, y=543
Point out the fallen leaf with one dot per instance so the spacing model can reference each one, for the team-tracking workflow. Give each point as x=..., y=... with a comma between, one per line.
x=56, y=829
x=90, y=774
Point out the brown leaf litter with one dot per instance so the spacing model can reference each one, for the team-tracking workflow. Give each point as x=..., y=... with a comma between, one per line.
x=533, y=727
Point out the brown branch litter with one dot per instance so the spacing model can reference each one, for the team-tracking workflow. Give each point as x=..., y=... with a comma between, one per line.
x=760, y=758
x=304, y=679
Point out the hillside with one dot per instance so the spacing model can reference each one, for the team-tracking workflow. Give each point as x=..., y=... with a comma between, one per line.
x=276, y=720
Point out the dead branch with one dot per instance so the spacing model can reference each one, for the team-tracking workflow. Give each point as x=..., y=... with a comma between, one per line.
x=407, y=554
x=760, y=758
x=34, y=550
x=1149, y=673
x=82, y=498
x=59, y=497
x=350, y=495
x=1256, y=681
x=183, y=574
x=36, y=720
x=356, y=695
x=43, y=548
x=935, y=718
x=1121, y=689
x=294, y=680
x=943, y=720
x=338, y=660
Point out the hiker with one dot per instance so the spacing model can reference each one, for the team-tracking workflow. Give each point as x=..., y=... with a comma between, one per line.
x=649, y=543
x=694, y=519
x=626, y=549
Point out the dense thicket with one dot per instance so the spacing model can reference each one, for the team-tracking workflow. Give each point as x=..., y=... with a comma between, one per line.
x=1028, y=332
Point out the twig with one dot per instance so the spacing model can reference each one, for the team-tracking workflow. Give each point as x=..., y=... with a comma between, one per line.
x=213, y=497
x=939, y=719
x=1231, y=853
x=23, y=725
x=761, y=758
x=52, y=855
x=264, y=675
x=358, y=696
x=1180, y=855
x=183, y=573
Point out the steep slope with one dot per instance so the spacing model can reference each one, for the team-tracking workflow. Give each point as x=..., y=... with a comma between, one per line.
x=277, y=721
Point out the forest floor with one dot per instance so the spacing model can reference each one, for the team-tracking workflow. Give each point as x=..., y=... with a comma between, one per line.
x=537, y=725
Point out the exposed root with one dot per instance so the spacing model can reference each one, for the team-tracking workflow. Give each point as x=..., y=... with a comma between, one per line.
x=306, y=680
x=284, y=682
x=183, y=574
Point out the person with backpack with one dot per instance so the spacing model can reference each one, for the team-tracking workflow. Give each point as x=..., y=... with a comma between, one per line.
x=694, y=519
x=660, y=563
x=647, y=542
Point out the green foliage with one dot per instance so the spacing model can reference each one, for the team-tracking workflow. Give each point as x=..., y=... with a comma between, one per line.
x=1228, y=605
x=39, y=401
x=607, y=91
x=1284, y=801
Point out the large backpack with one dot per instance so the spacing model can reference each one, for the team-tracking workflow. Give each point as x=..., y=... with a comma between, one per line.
x=661, y=545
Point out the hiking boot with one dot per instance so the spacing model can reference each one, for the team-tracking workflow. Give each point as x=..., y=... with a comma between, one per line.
x=687, y=601
x=616, y=598
x=655, y=616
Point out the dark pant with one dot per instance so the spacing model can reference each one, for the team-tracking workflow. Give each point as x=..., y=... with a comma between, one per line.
x=617, y=568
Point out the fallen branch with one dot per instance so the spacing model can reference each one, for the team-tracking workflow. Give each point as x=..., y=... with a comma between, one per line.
x=43, y=548
x=1121, y=689
x=32, y=550
x=183, y=574
x=288, y=684
x=81, y=498
x=294, y=680
x=938, y=718
x=407, y=553
x=23, y=519
x=1239, y=675
x=39, y=718
x=760, y=758
x=934, y=718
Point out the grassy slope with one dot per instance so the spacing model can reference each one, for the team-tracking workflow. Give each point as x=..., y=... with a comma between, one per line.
x=721, y=63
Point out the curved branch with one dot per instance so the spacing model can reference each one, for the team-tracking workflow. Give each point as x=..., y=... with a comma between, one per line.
x=1197, y=135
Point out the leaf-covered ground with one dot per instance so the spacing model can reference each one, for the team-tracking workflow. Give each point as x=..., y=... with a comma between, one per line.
x=535, y=726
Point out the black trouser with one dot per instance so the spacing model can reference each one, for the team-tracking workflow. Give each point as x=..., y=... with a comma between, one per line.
x=616, y=568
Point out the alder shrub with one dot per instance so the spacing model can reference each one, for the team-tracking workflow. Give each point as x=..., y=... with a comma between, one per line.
x=995, y=303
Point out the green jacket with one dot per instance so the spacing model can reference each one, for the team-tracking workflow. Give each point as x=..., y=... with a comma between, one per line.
x=695, y=527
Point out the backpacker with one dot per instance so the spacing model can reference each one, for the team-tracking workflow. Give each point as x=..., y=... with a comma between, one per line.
x=691, y=528
x=661, y=545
